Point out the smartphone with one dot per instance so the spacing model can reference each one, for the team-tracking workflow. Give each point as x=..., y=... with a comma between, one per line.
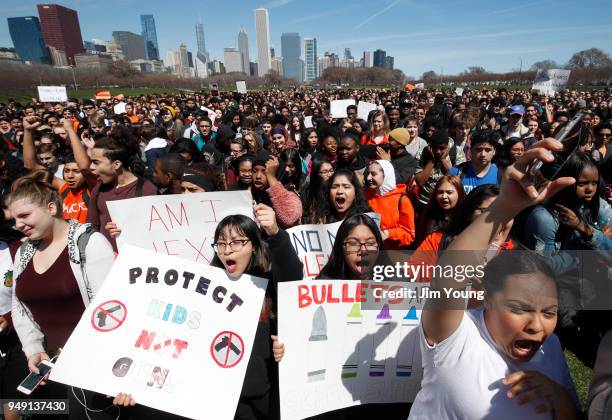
x=31, y=382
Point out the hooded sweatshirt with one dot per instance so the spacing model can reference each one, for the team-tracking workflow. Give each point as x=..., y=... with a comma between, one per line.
x=394, y=207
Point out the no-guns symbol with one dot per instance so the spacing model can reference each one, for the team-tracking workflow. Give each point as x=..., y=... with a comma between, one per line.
x=227, y=349
x=108, y=316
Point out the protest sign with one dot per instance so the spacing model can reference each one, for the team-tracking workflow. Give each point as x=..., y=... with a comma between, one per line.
x=364, y=109
x=337, y=109
x=420, y=86
x=548, y=82
x=182, y=225
x=314, y=243
x=119, y=108
x=52, y=93
x=339, y=354
x=174, y=334
x=241, y=87
x=459, y=92
x=308, y=121
x=103, y=94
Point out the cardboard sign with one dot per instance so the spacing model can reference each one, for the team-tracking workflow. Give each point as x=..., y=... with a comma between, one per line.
x=459, y=92
x=308, y=121
x=548, y=82
x=174, y=334
x=339, y=355
x=182, y=225
x=314, y=244
x=338, y=108
x=241, y=87
x=364, y=109
x=52, y=93
x=119, y=108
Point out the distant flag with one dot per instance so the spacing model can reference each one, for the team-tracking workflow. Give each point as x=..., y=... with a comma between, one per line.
x=103, y=94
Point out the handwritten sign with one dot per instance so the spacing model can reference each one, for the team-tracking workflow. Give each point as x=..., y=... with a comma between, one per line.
x=341, y=355
x=314, y=244
x=548, y=82
x=181, y=225
x=52, y=93
x=241, y=87
x=171, y=311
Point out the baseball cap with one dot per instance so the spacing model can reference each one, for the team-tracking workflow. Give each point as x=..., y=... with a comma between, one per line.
x=517, y=109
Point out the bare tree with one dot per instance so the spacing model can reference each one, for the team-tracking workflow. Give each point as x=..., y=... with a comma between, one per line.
x=593, y=58
x=429, y=75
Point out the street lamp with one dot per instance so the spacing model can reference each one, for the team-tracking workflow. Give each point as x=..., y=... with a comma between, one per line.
x=74, y=83
x=520, y=69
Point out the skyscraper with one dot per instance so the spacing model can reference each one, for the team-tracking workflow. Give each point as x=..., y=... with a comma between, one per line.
x=262, y=37
x=367, y=58
x=28, y=39
x=347, y=54
x=243, y=47
x=379, y=58
x=232, y=58
x=201, y=40
x=310, y=59
x=291, y=51
x=61, y=29
x=389, y=62
x=132, y=45
x=149, y=34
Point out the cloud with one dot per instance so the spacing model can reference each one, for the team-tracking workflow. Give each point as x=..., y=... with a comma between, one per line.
x=276, y=3
x=380, y=12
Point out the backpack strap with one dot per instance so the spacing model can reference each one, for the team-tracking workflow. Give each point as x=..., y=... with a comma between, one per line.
x=82, y=247
x=86, y=197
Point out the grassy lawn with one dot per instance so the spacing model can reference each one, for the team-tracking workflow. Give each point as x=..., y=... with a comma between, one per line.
x=581, y=375
x=24, y=96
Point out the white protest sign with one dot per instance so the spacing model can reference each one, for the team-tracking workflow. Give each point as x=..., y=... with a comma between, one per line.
x=52, y=93
x=337, y=108
x=548, y=82
x=459, y=92
x=182, y=225
x=174, y=334
x=241, y=87
x=364, y=109
x=308, y=121
x=119, y=108
x=342, y=355
x=314, y=243
x=419, y=86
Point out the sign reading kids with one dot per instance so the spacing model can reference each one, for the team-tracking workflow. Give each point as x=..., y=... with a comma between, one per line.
x=158, y=325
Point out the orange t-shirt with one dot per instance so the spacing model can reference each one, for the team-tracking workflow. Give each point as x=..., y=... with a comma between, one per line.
x=366, y=139
x=75, y=203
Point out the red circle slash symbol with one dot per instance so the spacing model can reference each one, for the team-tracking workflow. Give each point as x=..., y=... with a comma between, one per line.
x=227, y=349
x=108, y=316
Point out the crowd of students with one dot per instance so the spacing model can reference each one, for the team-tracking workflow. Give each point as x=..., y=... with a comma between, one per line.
x=443, y=172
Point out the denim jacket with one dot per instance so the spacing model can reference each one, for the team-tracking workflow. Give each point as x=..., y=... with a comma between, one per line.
x=541, y=231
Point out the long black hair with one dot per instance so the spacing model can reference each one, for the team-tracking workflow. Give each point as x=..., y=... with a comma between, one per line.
x=312, y=192
x=292, y=155
x=575, y=164
x=360, y=205
x=243, y=225
x=335, y=267
x=463, y=218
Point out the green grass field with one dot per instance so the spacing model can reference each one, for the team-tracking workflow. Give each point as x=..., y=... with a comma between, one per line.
x=581, y=375
x=24, y=96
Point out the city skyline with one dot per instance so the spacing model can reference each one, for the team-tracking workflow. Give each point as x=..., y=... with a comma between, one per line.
x=444, y=38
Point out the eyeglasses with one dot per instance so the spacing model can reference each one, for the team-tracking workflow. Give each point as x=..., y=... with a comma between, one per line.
x=326, y=172
x=234, y=246
x=355, y=246
x=88, y=107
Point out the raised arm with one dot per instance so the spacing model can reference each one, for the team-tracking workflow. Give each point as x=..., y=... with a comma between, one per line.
x=29, y=150
x=78, y=150
x=442, y=316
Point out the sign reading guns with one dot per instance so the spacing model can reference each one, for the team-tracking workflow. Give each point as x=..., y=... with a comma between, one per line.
x=157, y=326
x=181, y=225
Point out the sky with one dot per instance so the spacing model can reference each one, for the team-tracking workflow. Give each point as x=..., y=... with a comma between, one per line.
x=442, y=35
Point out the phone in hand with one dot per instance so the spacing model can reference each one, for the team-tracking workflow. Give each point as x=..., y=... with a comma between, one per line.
x=31, y=382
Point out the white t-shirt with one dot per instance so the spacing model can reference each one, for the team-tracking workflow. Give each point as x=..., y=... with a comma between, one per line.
x=6, y=279
x=462, y=375
x=416, y=147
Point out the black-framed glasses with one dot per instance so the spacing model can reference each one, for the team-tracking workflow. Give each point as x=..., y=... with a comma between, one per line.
x=355, y=246
x=234, y=246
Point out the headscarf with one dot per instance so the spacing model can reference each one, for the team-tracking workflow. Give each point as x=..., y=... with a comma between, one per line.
x=389, y=182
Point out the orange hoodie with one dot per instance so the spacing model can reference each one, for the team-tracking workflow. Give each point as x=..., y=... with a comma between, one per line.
x=395, y=216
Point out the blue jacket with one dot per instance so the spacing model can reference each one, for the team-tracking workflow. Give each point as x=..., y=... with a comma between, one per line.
x=541, y=231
